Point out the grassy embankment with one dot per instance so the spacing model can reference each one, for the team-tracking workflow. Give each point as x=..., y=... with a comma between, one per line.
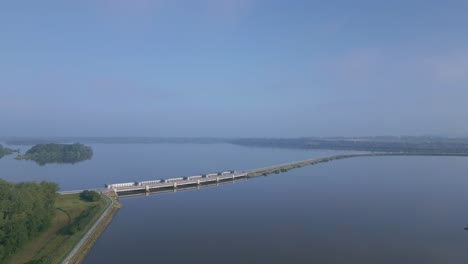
x=56, y=242
x=86, y=247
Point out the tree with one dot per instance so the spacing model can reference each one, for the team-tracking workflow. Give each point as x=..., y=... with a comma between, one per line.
x=26, y=209
x=90, y=196
x=58, y=153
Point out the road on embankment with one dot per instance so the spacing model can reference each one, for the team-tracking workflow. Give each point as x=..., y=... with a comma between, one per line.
x=76, y=249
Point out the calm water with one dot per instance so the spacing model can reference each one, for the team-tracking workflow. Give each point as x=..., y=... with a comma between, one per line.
x=363, y=210
x=368, y=210
x=138, y=162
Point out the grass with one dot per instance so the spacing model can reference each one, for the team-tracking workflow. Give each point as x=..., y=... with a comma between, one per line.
x=84, y=250
x=54, y=243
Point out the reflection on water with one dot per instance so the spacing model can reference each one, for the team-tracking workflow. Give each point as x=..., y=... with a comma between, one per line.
x=364, y=210
x=124, y=195
x=139, y=162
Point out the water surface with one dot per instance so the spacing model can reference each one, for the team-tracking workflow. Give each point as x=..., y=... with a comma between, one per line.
x=113, y=163
x=361, y=210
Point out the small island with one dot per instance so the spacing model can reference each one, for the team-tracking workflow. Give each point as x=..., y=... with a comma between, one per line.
x=57, y=153
x=6, y=151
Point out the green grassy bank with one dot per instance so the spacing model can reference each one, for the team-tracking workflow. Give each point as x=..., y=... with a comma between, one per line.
x=72, y=220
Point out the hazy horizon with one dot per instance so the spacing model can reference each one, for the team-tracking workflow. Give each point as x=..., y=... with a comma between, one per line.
x=228, y=69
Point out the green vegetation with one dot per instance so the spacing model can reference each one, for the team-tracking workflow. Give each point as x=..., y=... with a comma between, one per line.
x=90, y=196
x=402, y=145
x=26, y=210
x=54, y=244
x=6, y=151
x=42, y=260
x=100, y=228
x=425, y=145
x=57, y=153
x=80, y=223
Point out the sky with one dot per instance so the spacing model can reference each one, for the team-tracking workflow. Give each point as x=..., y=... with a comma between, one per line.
x=233, y=68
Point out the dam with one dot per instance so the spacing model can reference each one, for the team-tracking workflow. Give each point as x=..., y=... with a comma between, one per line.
x=176, y=183
x=203, y=180
x=197, y=181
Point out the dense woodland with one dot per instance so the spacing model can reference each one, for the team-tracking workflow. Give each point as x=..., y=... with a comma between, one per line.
x=58, y=153
x=26, y=209
x=5, y=151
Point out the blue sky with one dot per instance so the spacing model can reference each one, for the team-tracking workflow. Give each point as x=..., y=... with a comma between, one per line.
x=233, y=68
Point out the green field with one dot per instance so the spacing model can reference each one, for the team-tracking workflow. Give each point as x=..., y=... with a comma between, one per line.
x=54, y=244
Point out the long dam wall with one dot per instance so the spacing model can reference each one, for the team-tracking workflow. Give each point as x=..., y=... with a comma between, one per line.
x=198, y=181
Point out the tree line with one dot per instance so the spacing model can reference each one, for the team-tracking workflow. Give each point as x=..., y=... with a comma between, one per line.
x=26, y=209
x=409, y=145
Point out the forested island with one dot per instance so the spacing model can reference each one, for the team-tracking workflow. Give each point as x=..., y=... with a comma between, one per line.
x=57, y=153
x=6, y=151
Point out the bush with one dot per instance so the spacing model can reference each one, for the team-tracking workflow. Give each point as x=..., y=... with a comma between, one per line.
x=81, y=221
x=90, y=196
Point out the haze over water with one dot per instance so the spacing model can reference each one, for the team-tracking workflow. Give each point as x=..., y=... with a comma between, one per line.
x=249, y=69
x=114, y=163
x=362, y=210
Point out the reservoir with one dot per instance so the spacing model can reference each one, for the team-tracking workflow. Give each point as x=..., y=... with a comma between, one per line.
x=114, y=163
x=359, y=210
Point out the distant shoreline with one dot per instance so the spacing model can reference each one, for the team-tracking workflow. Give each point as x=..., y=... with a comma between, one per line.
x=410, y=145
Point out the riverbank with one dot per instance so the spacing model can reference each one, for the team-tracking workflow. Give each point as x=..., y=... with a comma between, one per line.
x=73, y=250
x=81, y=249
x=56, y=243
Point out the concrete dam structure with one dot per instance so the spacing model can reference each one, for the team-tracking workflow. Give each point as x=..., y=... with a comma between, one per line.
x=175, y=183
x=197, y=181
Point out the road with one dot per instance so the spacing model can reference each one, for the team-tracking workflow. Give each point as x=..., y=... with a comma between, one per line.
x=77, y=247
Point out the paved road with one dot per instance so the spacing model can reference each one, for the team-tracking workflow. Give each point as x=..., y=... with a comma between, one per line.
x=90, y=231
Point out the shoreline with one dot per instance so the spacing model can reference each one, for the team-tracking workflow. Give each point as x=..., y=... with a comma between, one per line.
x=68, y=227
x=78, y=253
x=85, y=244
